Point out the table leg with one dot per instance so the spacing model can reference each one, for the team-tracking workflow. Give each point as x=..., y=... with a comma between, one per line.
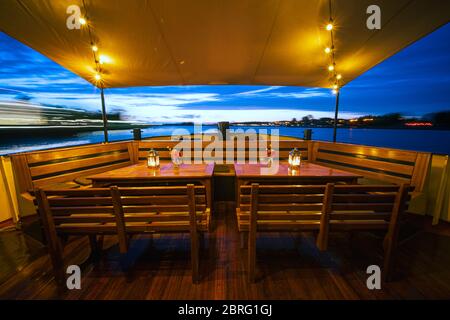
x=208, y=186
x=239, y=183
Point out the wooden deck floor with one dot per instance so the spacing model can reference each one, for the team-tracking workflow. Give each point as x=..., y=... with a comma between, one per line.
x=289, y=267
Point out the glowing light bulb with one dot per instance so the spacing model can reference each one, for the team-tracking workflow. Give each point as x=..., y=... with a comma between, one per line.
x=104, y=59
x=94, y=48
x=335, y=87
x=97, y=77
x=329, y=27
x=327, y=50
x=334, y=91
x=330, y=67
x=82, y=21
x=339, y=77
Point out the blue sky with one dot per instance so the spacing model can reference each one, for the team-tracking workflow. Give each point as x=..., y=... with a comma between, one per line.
x=415, y=81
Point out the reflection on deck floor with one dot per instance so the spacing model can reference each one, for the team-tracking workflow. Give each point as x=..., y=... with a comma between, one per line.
x=289, y=267
x=17, y=250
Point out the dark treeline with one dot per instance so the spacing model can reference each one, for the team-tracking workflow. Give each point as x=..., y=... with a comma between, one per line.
x=436, y=120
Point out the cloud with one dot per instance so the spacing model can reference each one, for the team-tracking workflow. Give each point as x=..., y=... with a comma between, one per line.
x=33, y=82
x=257, y=92
x=303, y=95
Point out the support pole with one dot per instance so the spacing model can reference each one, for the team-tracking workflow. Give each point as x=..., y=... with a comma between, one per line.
x=105, y=119
x=336, y=111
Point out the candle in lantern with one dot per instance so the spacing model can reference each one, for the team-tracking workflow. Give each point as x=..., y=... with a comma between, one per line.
x=295, y=158
x=153, y=159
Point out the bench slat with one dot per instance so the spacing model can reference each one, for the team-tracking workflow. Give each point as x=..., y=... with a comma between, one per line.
x=58, y=154
x=284, y=198
x=77, y=164
x=384, y=166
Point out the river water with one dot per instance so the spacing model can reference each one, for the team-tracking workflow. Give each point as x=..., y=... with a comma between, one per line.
x=435, y=141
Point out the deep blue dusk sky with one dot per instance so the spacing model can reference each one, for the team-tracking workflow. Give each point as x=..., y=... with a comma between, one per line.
x=415, y=81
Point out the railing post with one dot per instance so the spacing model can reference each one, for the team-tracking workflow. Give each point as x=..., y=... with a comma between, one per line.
x=223, y=126
x=104, y=118
x=137, y=134
x=336, y=111
x=307, y=134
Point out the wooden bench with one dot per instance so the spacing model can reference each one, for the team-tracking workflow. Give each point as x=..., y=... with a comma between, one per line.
x=60, y=168
x=121, y=212
x=376, y=164
x=322, y=209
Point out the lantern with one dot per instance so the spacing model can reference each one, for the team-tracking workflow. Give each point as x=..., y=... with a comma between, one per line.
x=153, y=159
x=295, y=158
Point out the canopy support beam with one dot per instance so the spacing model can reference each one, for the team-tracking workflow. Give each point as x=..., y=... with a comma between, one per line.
x=105, y=119
x=336, y=111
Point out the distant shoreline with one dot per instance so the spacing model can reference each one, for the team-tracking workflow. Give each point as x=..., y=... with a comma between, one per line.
x=348, y=127
x=55, y=131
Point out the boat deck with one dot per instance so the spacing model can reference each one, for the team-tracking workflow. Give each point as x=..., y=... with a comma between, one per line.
x=288, y=267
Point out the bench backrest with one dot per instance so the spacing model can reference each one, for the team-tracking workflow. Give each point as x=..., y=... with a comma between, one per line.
x=157, y=209
x=282, y=151
x=121, y=211
x=75, y=211
x=241, y=152
x=396, y=166
x=363, y=208
x=44, y=168
x=162, y=147
x=353, y=204
x=340, y=207
x=282, y=207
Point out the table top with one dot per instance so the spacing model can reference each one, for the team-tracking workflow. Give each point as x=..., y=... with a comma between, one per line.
x=165, y=171
x=306, y=170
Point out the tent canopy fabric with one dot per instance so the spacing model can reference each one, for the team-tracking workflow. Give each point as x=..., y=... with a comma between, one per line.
x=190, y=42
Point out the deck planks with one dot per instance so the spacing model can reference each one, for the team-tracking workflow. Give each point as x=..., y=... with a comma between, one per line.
x=289, y=267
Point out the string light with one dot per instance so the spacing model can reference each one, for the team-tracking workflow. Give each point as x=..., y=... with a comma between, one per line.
x=98, y=59
x=330, y=51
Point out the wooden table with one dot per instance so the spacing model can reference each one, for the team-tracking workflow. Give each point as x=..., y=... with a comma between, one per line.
x=308, y=173
x=140, y=174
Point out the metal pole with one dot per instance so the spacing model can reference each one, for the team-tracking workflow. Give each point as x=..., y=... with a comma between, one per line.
x=105, y=119
x=336, y=111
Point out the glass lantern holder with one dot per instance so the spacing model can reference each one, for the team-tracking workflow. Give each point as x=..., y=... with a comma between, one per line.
x=295, y=158
x=153, y=159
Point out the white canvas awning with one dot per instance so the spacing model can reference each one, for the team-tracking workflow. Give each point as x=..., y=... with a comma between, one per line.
x=187, y=42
